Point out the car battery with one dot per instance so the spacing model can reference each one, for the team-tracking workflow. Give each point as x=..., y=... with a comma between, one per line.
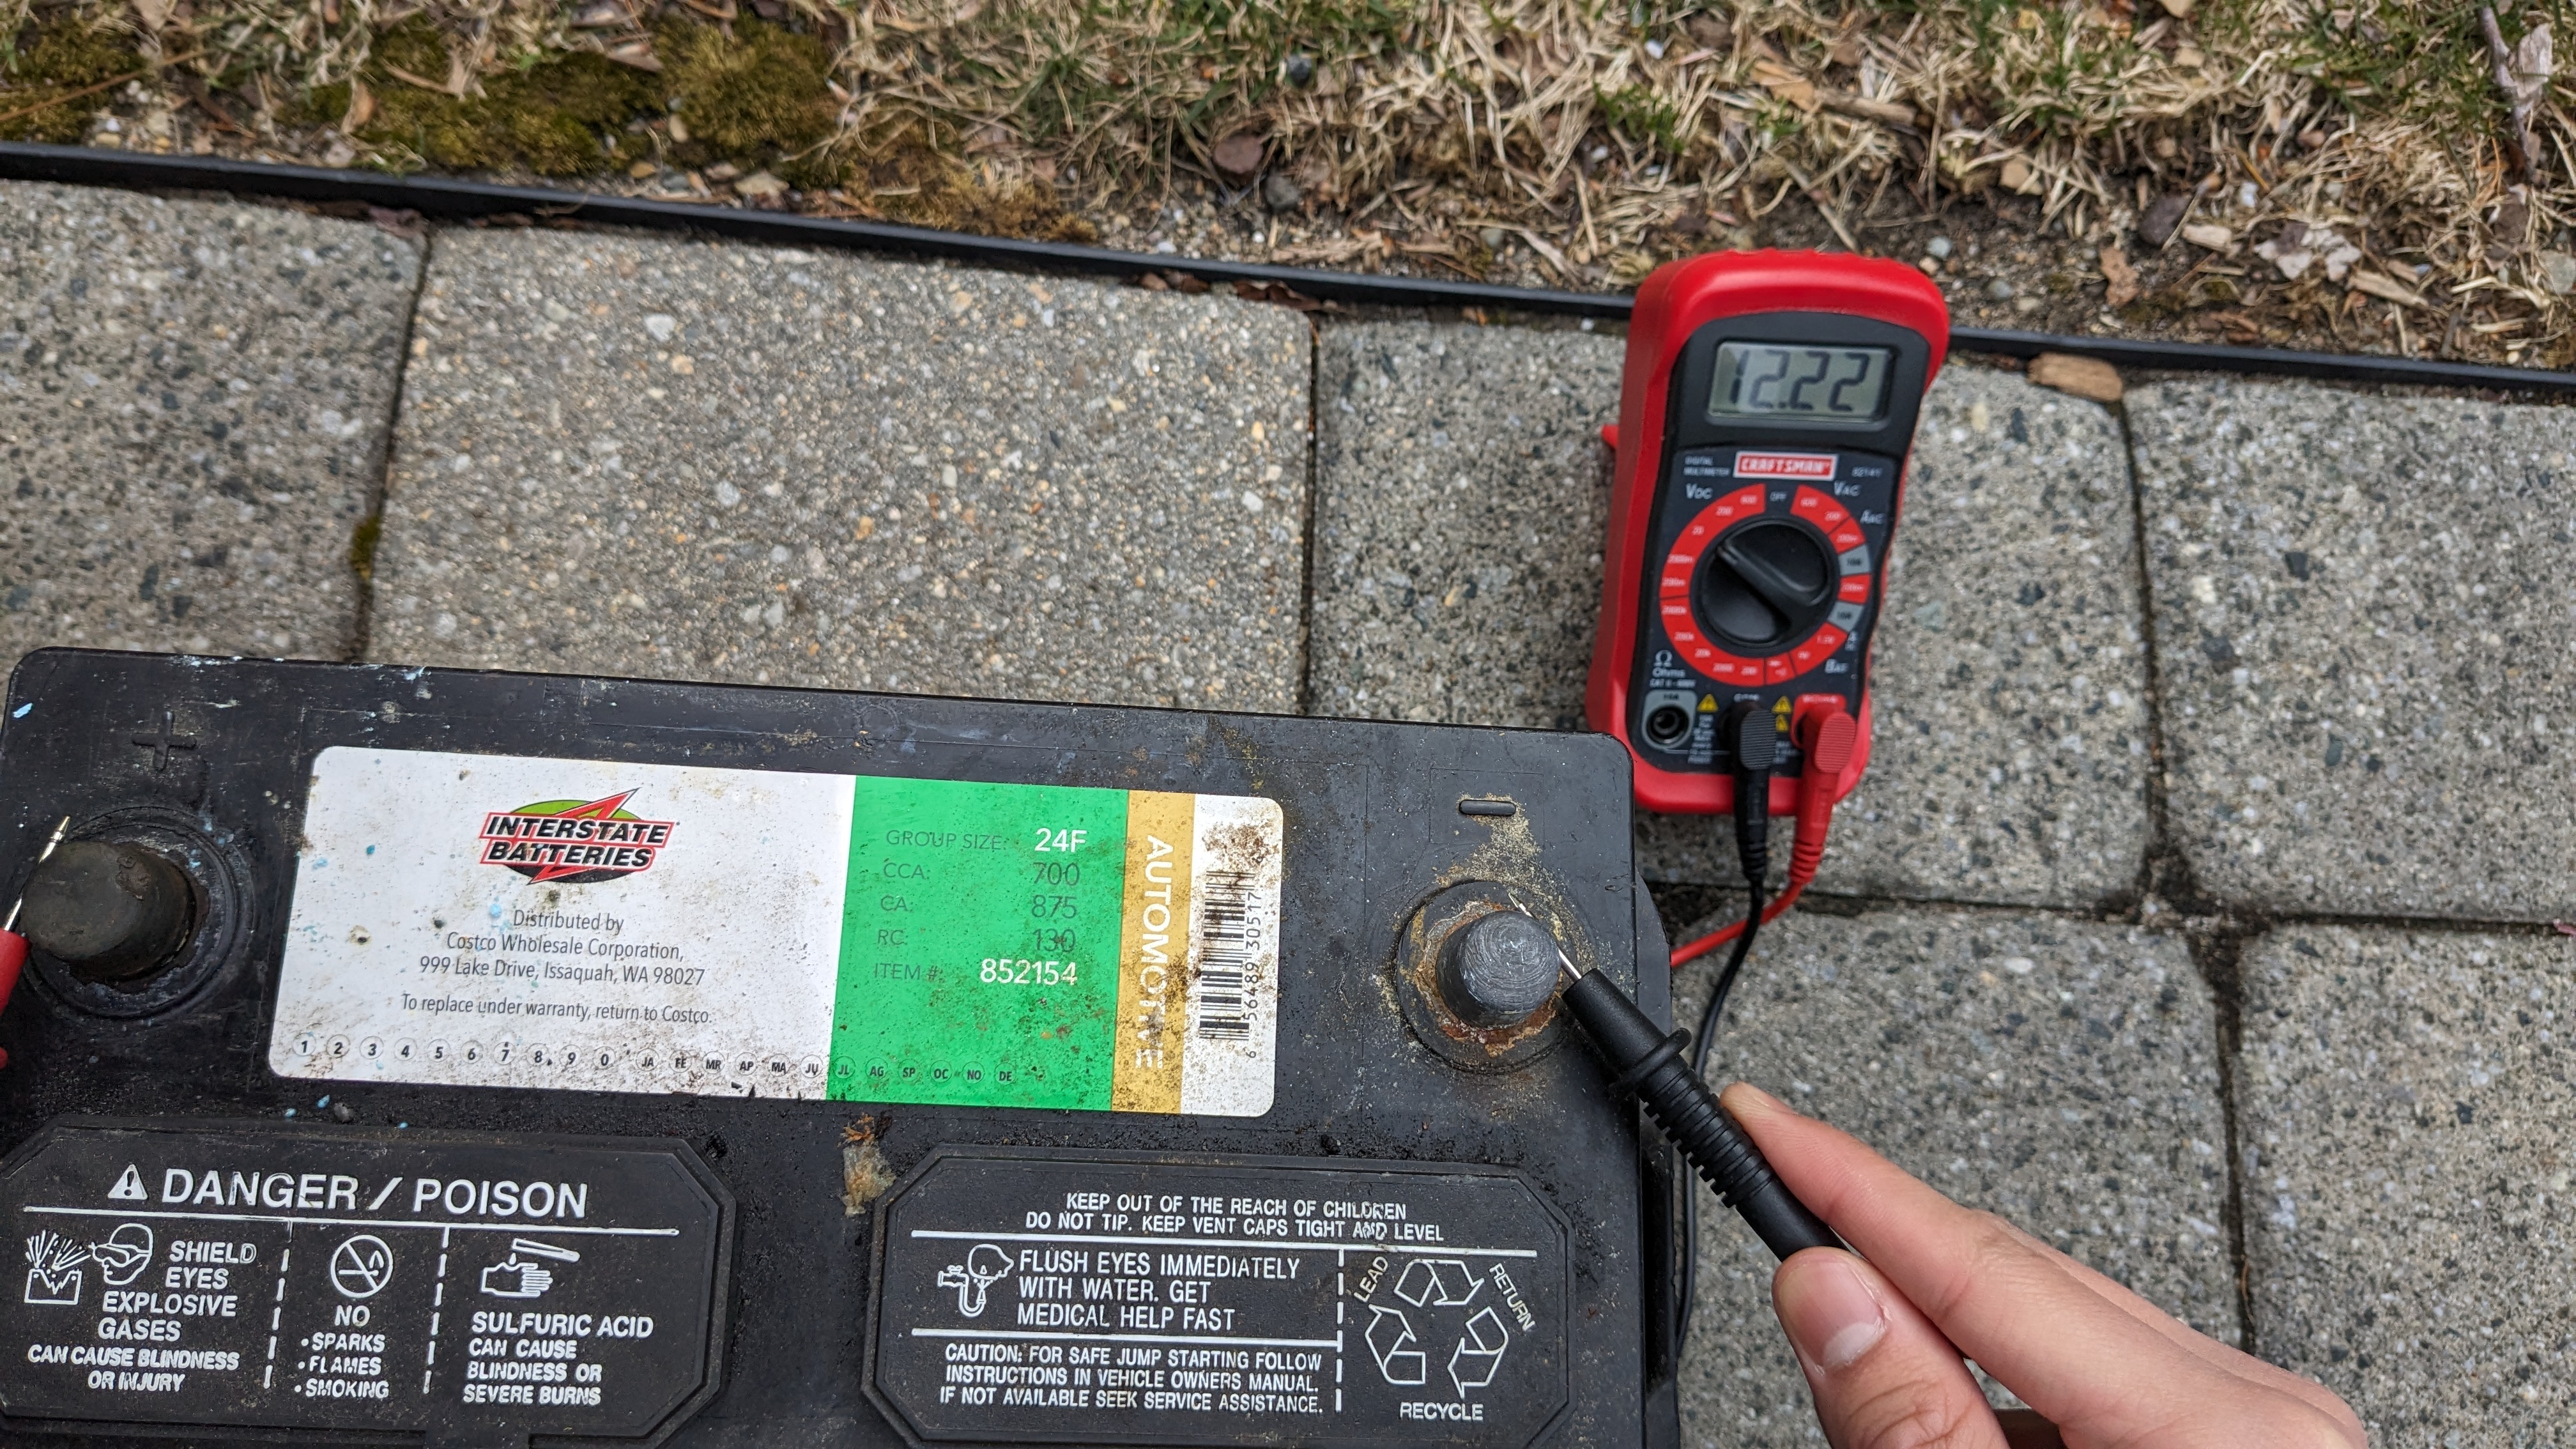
x=462, y=1058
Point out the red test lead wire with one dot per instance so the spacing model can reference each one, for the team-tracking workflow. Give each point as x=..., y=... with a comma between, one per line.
x=13, y=947
x=1827, y=736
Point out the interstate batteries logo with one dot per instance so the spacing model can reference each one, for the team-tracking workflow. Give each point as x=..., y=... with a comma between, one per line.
x=575, y=841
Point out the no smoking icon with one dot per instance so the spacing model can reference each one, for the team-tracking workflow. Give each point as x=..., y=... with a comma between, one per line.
x=362, y=1266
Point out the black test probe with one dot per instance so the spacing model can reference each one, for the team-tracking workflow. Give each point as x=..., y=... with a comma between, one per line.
x=1662, y=1070
x=1650, y=1063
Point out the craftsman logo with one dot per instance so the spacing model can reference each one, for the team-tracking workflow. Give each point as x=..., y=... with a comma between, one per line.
x=1819, y=466
x=575, y=841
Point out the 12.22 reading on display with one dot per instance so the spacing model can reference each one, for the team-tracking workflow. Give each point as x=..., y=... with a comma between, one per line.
x=1837, y=384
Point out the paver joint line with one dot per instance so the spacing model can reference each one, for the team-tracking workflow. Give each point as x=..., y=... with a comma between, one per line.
x=370, y=532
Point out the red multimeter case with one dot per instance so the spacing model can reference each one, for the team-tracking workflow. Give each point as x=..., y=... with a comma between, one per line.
x=1766, y=408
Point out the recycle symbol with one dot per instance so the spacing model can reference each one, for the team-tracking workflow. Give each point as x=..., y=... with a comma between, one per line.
x=1388, y=1333
x=1433, y=1283
x=1474, y=1368
x=1445, y=1281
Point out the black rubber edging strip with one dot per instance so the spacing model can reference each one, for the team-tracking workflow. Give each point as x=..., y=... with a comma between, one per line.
x=2277, y=362
x=447, y=198
x=451, y=199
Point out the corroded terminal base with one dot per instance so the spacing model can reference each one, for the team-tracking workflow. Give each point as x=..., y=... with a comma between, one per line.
x=1439, y=934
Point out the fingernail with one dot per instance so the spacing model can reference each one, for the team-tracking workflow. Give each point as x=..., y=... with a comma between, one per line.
x=1831, y=1314
x=1765, y=1098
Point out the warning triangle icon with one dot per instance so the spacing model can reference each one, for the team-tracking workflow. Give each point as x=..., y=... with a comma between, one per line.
x=129, y=1188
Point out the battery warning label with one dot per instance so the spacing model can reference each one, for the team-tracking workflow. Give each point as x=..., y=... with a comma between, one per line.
x=1092, y=1298
x=360, y=1282
x=475, y=920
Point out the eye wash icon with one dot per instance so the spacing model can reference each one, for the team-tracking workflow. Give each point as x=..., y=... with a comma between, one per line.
x=984, y=1267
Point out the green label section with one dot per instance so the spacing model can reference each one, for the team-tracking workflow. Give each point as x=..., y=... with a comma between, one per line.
x=980, y=945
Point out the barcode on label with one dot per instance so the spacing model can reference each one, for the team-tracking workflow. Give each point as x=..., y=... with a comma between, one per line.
x=1230, y=931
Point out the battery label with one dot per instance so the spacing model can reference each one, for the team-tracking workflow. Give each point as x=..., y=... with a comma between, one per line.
x=361, y=1282
x=475, y=920
x=1097, y=1298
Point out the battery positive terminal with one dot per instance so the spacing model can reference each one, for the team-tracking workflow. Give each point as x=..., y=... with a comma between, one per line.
x=110, y=911
x=1498, y=969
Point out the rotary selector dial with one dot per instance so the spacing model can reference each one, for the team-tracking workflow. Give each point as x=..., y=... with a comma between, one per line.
x=1749, y=596
x=1765, y=584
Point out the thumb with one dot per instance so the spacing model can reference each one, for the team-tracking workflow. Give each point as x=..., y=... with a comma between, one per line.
x=1882, y=1375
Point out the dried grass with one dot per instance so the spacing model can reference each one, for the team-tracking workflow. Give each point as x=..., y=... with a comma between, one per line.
x=1608, y=134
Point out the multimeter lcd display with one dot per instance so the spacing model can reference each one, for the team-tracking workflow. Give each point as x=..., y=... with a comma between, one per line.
x=1798, y=380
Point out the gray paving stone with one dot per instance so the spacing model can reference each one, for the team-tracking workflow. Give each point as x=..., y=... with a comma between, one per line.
x=2008, y=758
x=2063, y=1073
x=2367, y=648
x=1461, y=495
x=194, y=399
x=639, y=456
x=2405, y=1101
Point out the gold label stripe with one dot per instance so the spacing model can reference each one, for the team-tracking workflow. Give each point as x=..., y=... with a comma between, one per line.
x=1154, y=953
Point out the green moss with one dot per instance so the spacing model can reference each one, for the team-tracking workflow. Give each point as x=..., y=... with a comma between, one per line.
x=320, y=106
x=67, y=58
x=753, y=98
x=918, y=184
x=70, y=53
x=550, y=118
x=362, y=547
x=1640, y=115
x=416, y=46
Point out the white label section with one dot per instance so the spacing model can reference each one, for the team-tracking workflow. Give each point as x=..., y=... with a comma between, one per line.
x=1228, y=1067
x=644, y=928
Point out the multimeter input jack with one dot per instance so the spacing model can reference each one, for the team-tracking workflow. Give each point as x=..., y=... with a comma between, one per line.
x=1668, y=726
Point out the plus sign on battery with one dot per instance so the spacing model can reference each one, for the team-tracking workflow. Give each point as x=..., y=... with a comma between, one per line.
x=165, y=740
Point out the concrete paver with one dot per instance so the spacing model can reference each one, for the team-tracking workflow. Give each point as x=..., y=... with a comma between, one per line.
x=194, y=400
x=1462, y=492
x=1461, y=503
x=2405, y=1101
x=638, y=456
x=2061, y=1072
x=2367, y=649
x=2008, y=758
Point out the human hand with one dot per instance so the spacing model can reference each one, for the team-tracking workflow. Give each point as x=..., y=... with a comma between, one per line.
x=1881, y=1339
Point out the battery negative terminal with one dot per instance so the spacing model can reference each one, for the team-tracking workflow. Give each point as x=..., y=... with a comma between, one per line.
x=1498, y=969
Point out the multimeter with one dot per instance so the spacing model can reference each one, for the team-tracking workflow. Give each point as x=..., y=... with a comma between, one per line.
x=1766, y=407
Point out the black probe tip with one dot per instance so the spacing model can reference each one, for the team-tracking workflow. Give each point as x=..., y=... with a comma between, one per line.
x=1649, y=1062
